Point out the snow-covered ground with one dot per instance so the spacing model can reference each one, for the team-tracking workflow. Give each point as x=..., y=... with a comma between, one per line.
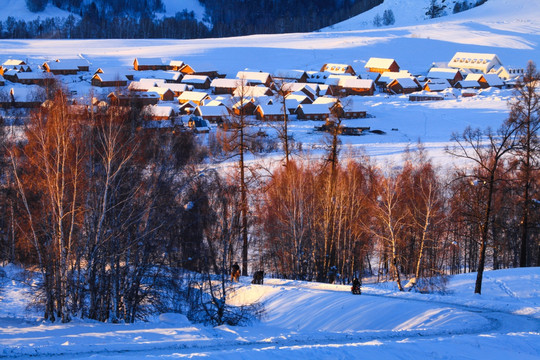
x=305, y=320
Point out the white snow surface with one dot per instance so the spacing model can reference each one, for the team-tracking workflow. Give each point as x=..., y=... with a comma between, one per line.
x=303, y=320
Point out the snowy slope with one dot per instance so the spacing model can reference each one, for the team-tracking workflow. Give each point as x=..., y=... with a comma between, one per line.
x=306, y=320
x=18, y=10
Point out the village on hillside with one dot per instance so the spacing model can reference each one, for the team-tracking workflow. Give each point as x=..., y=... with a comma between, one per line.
x=170, y=92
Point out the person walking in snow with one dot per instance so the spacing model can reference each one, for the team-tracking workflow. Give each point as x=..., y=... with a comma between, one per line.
x=235, y=272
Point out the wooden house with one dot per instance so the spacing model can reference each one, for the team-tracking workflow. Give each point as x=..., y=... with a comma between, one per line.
x=108, y=80
x=256, y=78
x=338, y=69
x=426, y=97
x=193, y=96
x=403, y=86
x=58, y=68
x=317, y=77
x=197, y=81
x=350, y=107
x=313, y=112
x=216, y=114
x=164, y=93
x=226, y=86
x=270, y=112
x=475, y=62
x=11, y=75
x=178, y=89
x=177, y=65
x=188, y=107
x=135, y=99
x=121, y=71
x=142, y=64
x=158, y=113
x=244, y=107
x=486, y=80
x=26, y=97
x=33, y=78
x=79, y=63
x=355, y=86
x=13, y=64
x=381, y=65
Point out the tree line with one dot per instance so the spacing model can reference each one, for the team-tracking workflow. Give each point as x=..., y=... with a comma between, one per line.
x=114, y=218
x=137, y=19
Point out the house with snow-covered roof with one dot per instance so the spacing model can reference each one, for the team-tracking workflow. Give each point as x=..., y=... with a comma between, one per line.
x=270, y=112
x=215, y=114
x=193, y=96
x=467, y=84
x=313, y=112
x=486, y=80
x=158, y=112
x=178, y=65
x=338, y=69
x=381, y=65
x=80, y=63
x=475, y=62
x=355, y=86
x=145, y=84
x=59, y=68
x=143, y=64
x=452, y=75
x=403, y=85
x=252, y=91
x=164, y=93
x=197, y=81
x=226, y=86
x=256, y=77
x=317, y=77
x=108, y=80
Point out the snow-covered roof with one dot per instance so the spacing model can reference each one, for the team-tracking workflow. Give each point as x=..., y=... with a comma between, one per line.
x=227, y=83
x=251, y=91
x=353, y=103
x=442, y=73
x=407, y=83
x=276, y=109
x=289, y=74
x=32, y=75
x=325, y=100
x=177, y=87
x=493, y=80
x=163, y=75
x=317, y=76
x=312, y=109
x=468, y=84
x=13, y=62
x=379, y=63
x=474, y=61
x=208, y=110
x=192, y=96
x=107, y=77
x=149, y=61
x=177, y=63
x=356, y=83
x=145, y=84
x=54, y=65
x=159, y=90
x=158, y=111
x=437, y=84
x=253, y=76
x=74, y=62
x=299, y=96
x=195, y=79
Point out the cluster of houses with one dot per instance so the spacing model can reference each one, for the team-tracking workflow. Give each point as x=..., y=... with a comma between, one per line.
x=167, y=90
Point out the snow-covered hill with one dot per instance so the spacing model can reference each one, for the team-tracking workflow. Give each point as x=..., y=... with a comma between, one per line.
x=306, y=320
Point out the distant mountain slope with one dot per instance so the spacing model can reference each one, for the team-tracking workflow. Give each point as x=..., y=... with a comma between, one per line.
x=406, y=13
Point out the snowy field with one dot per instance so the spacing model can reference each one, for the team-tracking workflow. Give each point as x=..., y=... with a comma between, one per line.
x=305, y=320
